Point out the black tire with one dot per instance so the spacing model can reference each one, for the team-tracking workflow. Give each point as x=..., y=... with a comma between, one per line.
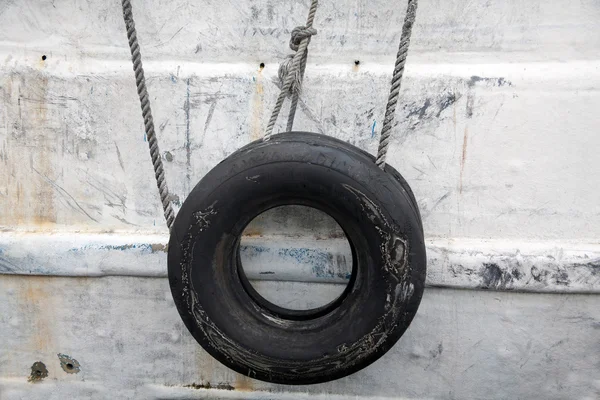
x=238, y=327
x=388, y=168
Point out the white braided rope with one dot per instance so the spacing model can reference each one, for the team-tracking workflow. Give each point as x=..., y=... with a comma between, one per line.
x=384, y=140
x=136, y=58
x=293, y=70
x=291, y=74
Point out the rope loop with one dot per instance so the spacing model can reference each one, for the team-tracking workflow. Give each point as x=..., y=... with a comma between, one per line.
x=291, y=72
x=300, y=33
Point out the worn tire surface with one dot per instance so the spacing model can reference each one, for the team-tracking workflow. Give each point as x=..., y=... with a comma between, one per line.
x=375, y=208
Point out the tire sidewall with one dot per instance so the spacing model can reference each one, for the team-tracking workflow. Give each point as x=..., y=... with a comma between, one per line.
x=372, y=317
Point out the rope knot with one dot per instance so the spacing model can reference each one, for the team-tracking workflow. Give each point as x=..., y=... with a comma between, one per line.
x=300, y=33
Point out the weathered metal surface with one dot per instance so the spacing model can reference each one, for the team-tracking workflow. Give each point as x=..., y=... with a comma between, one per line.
x=496, y=143
x=542, y=266
x=479, y=176
x=462, y=344
x=496, y=135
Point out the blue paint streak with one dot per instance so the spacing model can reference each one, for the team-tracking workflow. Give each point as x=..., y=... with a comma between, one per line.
x=321, y=261
x=254, y=250
x=143, y=247
x=145, y=137
x=373, y=128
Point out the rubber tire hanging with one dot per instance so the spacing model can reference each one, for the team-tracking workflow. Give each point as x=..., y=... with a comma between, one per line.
x=379, y=215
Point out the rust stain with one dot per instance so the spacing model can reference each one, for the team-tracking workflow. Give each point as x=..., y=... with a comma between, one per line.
x=159, y=247
x=36, y=302
x=205, y=366
x=331, y=235
x=243, y=383
x=69, y=364
x=41, y=63
x=13, y=206
x=39, y=91
x=37, y=299
x=38, y=372
x=16, y=214
x=44, y=213
x=30, y=148
x=258, y=105
x=207, y=385
x=251, y=231
x=463, y=158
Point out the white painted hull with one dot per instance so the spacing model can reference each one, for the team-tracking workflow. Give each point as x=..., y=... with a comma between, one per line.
x=498, y=136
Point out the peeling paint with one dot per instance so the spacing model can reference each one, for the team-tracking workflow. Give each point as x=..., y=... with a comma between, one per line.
x=207, y=385
x=543, y=319
x=38, y=372
x=494, y=278
x=68, y=364
x=148, y=247
x=489, y=81
x=535, y=266
x=321, y=262
x=61, y=116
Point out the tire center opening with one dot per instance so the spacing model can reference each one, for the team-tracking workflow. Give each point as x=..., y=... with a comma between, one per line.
x=296, y=258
